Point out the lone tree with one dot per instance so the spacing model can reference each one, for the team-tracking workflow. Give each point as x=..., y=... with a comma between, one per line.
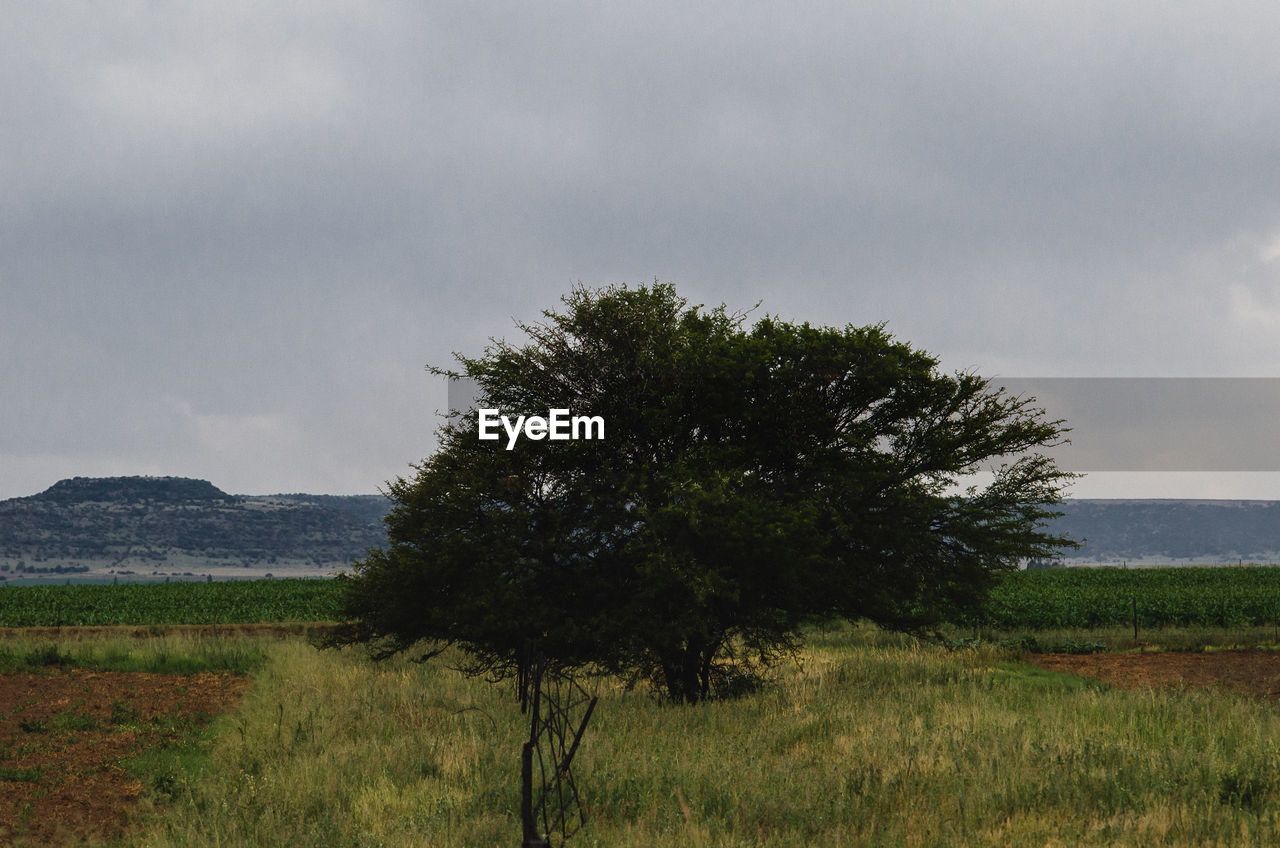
x=750, y=481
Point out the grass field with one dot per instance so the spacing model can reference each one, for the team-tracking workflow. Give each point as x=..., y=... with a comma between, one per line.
x=871, y=740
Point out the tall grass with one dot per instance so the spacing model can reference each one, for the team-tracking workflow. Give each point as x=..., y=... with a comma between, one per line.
x=871, y=740
x=164, y=653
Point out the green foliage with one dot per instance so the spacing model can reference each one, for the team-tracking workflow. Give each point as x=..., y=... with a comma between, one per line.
x=1085, y=598
x=20, y=775
x=167, y=771
x=228, y=602
x=750, y=480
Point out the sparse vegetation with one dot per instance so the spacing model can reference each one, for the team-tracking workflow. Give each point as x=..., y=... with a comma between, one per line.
x=74, y=711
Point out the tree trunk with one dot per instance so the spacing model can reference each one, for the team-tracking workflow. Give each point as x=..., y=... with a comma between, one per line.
x=687, y=670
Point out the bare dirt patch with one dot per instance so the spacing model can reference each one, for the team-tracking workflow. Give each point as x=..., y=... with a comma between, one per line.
x=65, y=733
x=1250, y=672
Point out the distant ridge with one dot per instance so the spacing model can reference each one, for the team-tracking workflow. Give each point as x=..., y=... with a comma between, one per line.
x=166, y=526
x=131, y=489
x=111, y=526
x=1173, y=531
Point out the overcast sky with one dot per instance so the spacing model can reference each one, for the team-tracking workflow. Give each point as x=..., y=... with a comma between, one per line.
x=233, y=234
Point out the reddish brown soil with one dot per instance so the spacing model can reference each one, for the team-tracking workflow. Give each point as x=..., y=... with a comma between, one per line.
x=64, y=733
x=1254, y=673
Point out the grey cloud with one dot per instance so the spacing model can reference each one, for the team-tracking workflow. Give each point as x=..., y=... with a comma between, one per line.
x=262, y=209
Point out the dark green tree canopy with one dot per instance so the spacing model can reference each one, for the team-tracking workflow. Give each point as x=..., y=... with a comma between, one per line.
x=751, y=480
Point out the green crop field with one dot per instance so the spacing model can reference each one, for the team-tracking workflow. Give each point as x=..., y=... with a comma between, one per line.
x=1230, y=596
x=1080, y=598
x=230, y=602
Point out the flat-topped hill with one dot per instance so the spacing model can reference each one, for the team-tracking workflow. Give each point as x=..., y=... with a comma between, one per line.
x=141, y=525
x=132, y=490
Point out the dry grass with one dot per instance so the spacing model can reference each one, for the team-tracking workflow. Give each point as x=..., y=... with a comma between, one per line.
x=871, y=741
